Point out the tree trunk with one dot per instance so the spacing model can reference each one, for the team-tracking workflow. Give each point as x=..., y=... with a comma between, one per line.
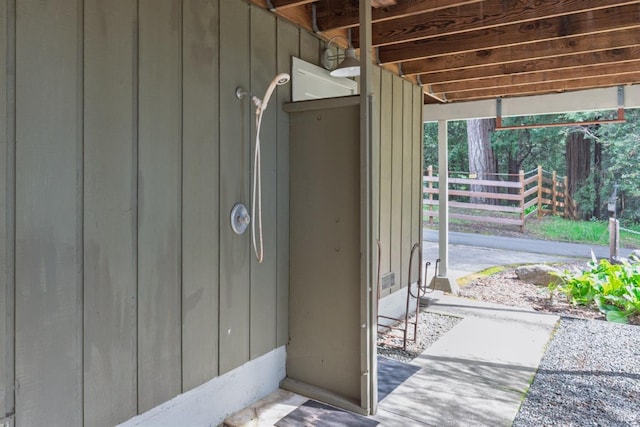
x=578, y=157
x=481, y=159
x=597, y=175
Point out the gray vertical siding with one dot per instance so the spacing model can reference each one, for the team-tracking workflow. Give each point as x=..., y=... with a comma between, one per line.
x=309, y=47
x=109, y=336
x=122, y=151
x=263, y=275
x=159, y=202
x=7, y=23
x=386, y=157
x=417, y=161
x=236, y=119
x=200, y=192
x=287, y=46
x=396, y=184
x=407, y=190
x=399, y=175
x=48, y=213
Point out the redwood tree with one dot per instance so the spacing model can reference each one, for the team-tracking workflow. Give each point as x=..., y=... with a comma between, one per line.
x=578, y=158
x=481, y=158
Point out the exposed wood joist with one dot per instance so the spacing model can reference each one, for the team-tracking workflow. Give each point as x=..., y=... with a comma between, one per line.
x=546, y=87
x=581, y=24
x=463, y=50
x=537, y=78
x=283, y=4
x=570, y=62
x=479, y=16
x=332, y=14
x=558, y=48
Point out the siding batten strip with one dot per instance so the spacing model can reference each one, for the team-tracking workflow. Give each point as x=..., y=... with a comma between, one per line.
x=80, y=196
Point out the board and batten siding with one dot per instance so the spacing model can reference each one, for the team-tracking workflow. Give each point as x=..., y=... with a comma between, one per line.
x=123, y=149
x=118, y=170
x=7, y=179
x=400, y=190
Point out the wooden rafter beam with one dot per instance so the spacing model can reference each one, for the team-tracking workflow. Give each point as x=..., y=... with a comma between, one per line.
x=284, y=4
x=581, y=24
x=478, y=16
x=532, y=51
x=537, y=78
x=332, y=14
x=545, y=87
x=530, y=66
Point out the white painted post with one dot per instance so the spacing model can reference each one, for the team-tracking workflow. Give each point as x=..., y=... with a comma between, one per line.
x=441, y=281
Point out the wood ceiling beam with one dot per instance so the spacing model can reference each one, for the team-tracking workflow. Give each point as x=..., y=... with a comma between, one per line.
x=543, y=88
x=581, y=24
x=284, y=4
x=612, y=56
x=331, y=14
x=543, y=77
x=532, y=51
x=294, y=11
x=478, y=16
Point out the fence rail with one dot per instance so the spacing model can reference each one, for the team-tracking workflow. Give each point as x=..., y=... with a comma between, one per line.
x=509, y=199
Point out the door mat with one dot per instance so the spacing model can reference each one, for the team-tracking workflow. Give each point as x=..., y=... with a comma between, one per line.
x=316, y=414
x=392, y=373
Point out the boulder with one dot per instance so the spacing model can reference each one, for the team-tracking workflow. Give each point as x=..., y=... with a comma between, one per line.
x=538, y=274
x=634, y=256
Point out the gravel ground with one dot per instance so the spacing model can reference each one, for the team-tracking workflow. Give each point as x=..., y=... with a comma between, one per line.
x=430, y=328
x=589, y=376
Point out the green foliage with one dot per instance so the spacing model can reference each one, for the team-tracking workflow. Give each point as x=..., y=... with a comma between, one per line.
x=621, y=163
x=525, y=149
x=457, y=142
x=585, y=197
x=613, y=288
x=590, y=232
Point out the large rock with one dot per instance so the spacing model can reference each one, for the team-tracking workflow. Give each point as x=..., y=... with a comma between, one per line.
x=634, y=256
x=538, y=274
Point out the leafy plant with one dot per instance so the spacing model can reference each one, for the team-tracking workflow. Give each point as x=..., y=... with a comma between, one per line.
x=613, y=288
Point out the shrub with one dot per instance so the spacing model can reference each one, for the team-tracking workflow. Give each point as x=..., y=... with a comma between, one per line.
x=613, y=288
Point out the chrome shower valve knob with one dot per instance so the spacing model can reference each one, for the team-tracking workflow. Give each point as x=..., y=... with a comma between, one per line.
x=240, y=218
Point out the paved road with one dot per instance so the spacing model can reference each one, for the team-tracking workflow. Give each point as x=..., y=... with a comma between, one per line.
x=470, y=253
x=523, y=245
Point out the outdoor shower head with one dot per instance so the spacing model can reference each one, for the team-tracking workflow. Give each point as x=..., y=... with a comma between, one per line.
x=279, y=80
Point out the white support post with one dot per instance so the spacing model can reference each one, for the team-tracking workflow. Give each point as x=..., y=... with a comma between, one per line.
x=441, y=280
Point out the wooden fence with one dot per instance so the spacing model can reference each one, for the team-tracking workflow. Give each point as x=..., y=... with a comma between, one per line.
x=501, y=198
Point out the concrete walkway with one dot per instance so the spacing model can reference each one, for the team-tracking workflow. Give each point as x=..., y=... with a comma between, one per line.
x=476, y=374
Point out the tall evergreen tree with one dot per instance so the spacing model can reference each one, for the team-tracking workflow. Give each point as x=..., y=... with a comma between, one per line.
x=481, y=158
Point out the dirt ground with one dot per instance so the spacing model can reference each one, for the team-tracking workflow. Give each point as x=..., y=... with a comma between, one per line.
x=504, y=287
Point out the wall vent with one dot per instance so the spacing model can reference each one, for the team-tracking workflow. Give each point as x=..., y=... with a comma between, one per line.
x=387, y=280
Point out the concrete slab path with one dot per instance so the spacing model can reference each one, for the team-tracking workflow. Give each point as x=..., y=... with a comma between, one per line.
x=476, y=374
